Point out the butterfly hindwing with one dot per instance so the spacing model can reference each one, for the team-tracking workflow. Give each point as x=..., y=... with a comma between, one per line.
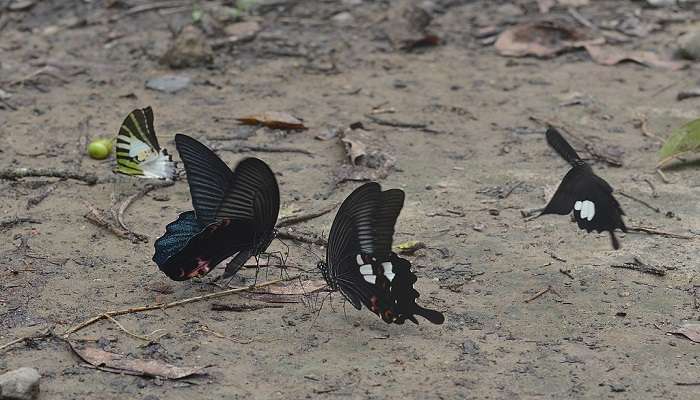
x=360, y=261
x=137, y=149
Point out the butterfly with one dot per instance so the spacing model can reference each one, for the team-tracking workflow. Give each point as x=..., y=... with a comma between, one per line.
x=585, y=193
x=360, y=263
x=138, y=152
x=234, y=214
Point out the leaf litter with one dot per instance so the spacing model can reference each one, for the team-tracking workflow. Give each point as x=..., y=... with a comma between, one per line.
x=273, y=120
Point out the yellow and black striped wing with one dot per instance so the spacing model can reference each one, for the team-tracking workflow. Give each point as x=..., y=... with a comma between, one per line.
x=138, y=152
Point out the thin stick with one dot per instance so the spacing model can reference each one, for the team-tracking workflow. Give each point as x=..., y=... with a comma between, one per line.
x=538, y=294
x=399, y=124
x=17, y=173
x=133, y=335
x=125, y=205
x=41, y=335
x=654, y=231
x=643, y=126
x=567, y=273
x=241, y=148
x=302, y=238
x=638, y=265
x=35, y=200
x=295, y=219
x=149, y=7
x=642, y=202
x=163, y=306
x=9, y=223
x=662, y=175
x=653, y=188
x=96, y=217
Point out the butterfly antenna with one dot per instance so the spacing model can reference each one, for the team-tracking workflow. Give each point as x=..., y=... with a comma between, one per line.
x=558, y=143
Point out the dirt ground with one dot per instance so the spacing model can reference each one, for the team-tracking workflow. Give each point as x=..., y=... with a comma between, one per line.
x=472, y=160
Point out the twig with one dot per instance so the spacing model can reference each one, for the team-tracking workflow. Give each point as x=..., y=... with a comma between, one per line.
x=581, y=19
x=638, y=265
x=643, y=126
x=133, y=335
x=96, y=217
x=163, y=306
x=262, y=149
x=129, y=200
x=35, y=200
x=11, y=222
x=300, y=237
x=17, y=173
x=46, y=70
x=554, y=256
x=642, y=202
x=399, y=124
x=512, y=188
x=653, y=188
x=687, y=383
x=295, y=219
x=662, y=175
x=42, y=335
x=242, y=307
x=654, y=231
x=567, y=273
x=540, y=293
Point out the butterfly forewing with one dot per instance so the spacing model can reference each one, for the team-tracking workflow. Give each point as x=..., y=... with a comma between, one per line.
x=137, y=149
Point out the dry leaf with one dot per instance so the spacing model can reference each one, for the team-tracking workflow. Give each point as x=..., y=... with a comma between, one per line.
x=690, y=331
x=409, y=247
x=613, y=55
x=355, y=149
x=406, y=26
x=541, y=39
x=273, y=119
x=119, y=363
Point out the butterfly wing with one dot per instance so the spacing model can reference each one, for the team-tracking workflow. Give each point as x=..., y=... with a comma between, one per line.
x=138, y=152
x=360, y=259
x=238, y=208
x=591, y=200
x=558, y=143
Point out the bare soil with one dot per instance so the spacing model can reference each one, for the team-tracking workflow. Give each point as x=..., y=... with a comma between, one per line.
x=600, y=332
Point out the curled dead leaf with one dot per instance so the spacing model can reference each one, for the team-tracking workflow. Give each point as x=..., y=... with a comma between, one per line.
x=273, y=119
x=612, y=55
x=541, y=39
x=368, y=160
x=119, y=363
x=407, y=26
x=355, y=149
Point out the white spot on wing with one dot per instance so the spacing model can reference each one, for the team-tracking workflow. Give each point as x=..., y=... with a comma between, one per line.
x=359, y=259
x=577, y=205
x=366, y=269
x=370, y=278
x=387, y=267
x=389, y=276
x=586, y=208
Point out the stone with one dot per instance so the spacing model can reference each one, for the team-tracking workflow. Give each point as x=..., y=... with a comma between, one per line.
x=168, y=83
x=470, y=347
x=20, y=384
x=190, y=49
x=689, y=45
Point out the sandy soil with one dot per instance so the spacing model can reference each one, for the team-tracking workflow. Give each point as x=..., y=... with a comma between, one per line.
x=600, y=333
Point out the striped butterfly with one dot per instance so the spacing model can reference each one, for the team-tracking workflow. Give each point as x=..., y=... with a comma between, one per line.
x=138, y=152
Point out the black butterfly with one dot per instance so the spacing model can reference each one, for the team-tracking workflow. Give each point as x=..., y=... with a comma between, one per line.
x=234, y=213
x=584, y=193
x=360, y=263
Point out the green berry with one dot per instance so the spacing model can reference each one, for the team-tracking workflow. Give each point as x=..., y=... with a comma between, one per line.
x=99, y=149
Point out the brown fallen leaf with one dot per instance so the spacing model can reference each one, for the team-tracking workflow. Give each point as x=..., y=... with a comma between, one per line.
x=368, y=160
x=119, y=363
x=407, y=26
x=690, y=331
x=613, y=55
x=273, y=119
x=542, y=39
x=355, y=149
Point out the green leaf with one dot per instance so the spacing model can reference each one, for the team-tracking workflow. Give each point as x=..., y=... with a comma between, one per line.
x=245, y=5
x=197, y=14
x=683, y=140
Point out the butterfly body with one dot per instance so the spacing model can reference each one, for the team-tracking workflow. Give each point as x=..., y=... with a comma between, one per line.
x=359, y=261
x=585, y=194
x=234, y=214
x=138, y=153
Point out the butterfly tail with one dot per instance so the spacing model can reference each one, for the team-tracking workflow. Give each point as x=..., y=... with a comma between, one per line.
x=236, y=264
x=615, y=242
x=558, y=143
x=433, y=316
